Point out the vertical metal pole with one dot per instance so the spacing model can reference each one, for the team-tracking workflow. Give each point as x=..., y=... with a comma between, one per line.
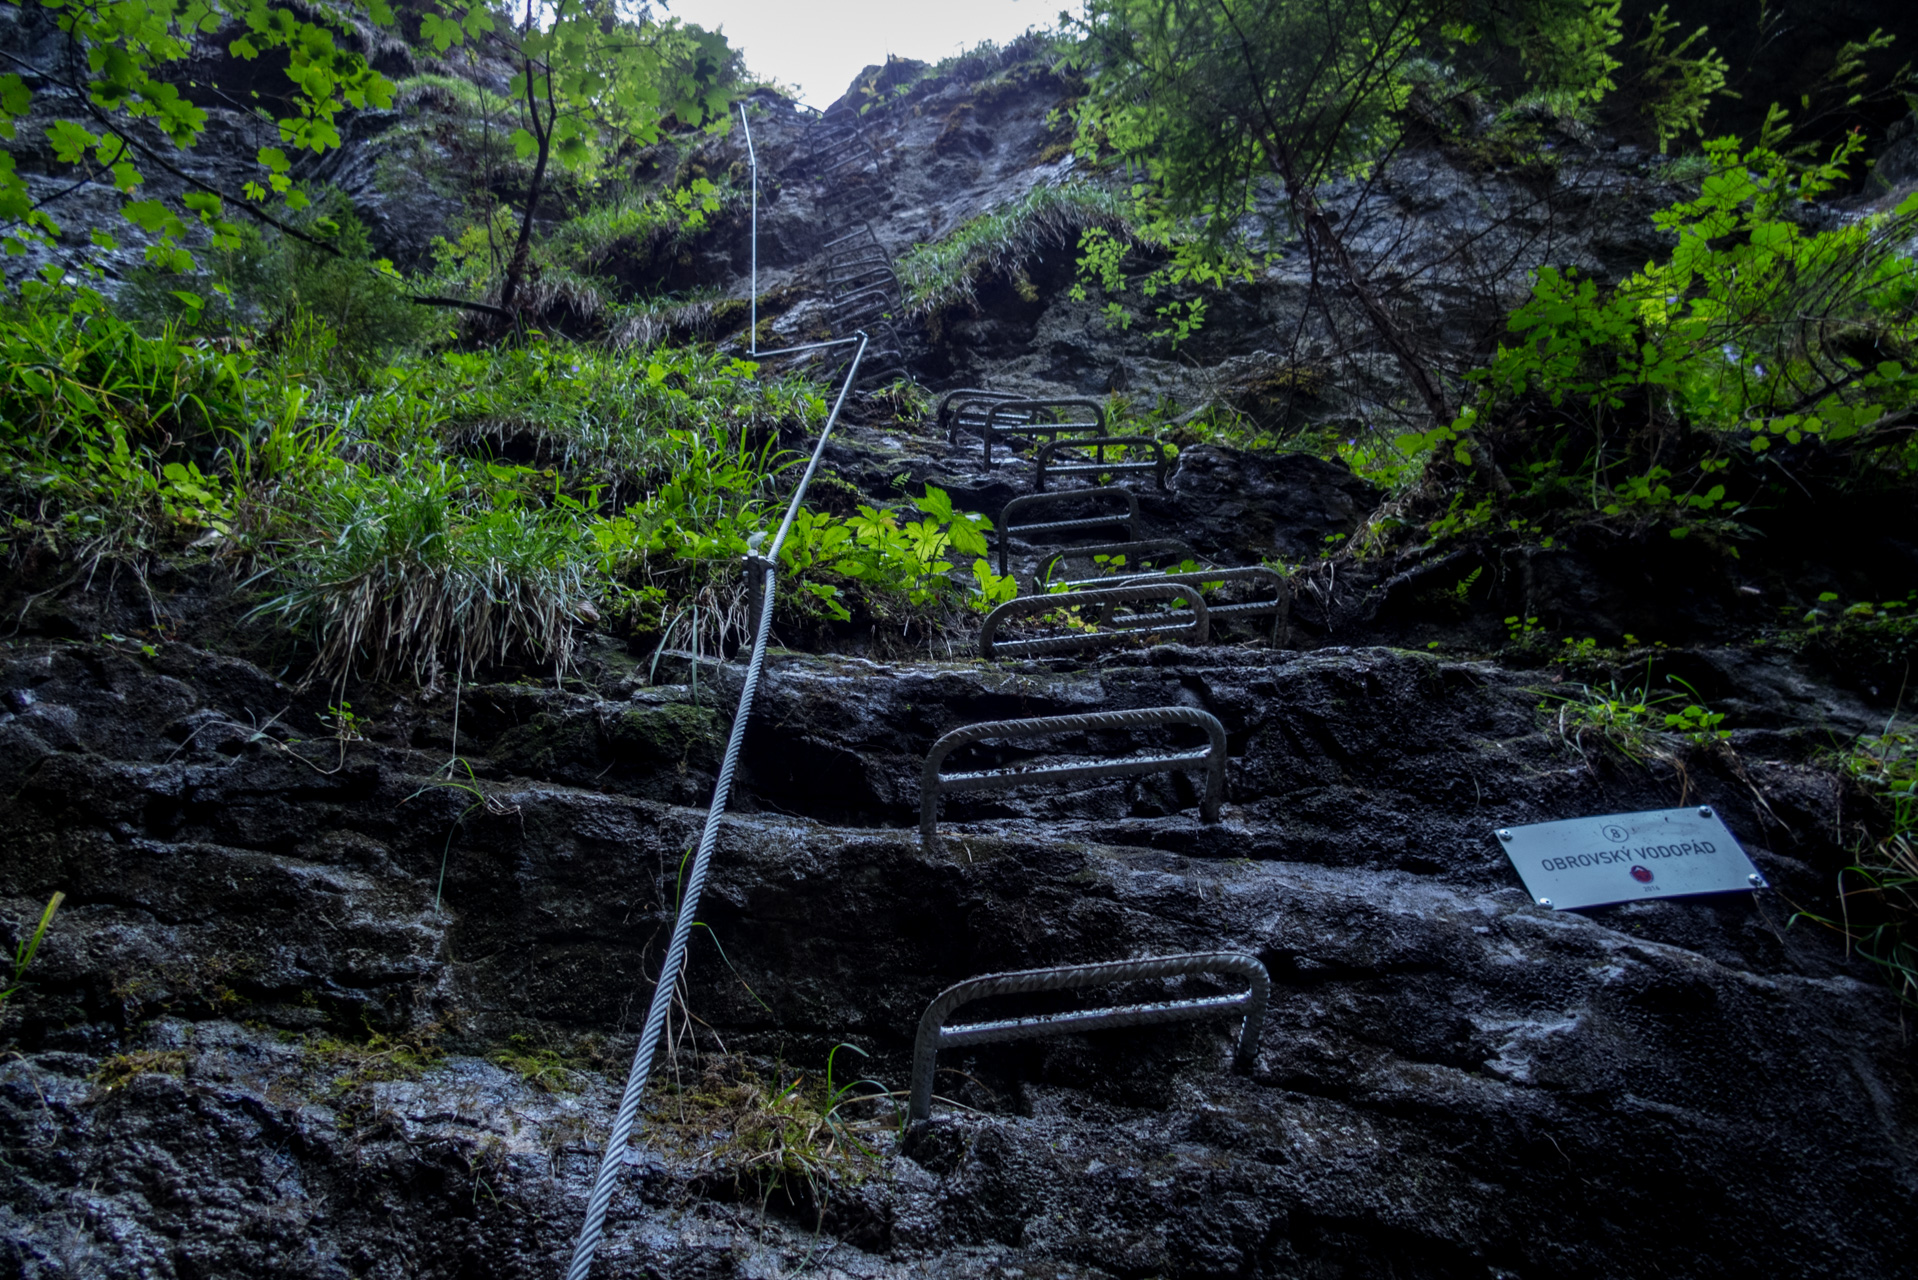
x=752, y=157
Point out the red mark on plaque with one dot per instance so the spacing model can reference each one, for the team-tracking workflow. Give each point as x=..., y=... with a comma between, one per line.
x=1642, y=874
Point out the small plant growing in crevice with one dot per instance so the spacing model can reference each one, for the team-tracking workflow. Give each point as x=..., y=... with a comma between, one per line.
x=26, y=949
x=1642, y=725
x=1878, y=893
x=541, y=1066
x=797, y=1137
x=122, y=1069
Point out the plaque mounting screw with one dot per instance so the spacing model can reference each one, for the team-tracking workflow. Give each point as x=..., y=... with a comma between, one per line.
x=1704, y=811
x=1544, y=902
x=1758, y=881
x=1504, y=835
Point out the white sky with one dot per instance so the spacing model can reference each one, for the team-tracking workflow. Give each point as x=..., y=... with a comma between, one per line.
x=816, y=47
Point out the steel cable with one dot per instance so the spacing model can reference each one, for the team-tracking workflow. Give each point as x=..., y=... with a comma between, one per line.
x=615, y=1155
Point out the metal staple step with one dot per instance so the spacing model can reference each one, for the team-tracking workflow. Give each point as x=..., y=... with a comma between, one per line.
x=935, y=1035
x=932, y=784
x=1004, y=529
x=1194, y=626
x=1043, y=464
x=1023, y=418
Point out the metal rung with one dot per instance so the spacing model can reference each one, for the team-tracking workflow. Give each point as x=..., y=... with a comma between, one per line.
x=1194, y=626
x=934, y=1035
x=870, y=261
x=861, y=291
x=1004, y=528
x=861, y=231
x=962, y=407
x=1018, y=776
x=1277, y=608
x=1042, y=579
x=932, y=786
x=1024, y=429
x=1043, y=460
x=867, y=302
x=1030, y=409
x=852, y=268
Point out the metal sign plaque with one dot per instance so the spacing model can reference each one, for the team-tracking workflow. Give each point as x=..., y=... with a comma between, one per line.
x=1622, y=857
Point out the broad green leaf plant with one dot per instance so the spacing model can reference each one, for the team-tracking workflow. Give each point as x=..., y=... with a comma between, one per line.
x=1757, y=331
x=124, y=80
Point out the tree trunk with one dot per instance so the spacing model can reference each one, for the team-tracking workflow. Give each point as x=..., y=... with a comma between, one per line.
x=1325, y=239
x=522, y=248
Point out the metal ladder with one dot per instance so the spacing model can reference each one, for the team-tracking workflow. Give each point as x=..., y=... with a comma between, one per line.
x=854, y=271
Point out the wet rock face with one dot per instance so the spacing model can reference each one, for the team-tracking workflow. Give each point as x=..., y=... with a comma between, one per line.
x=255, y=1046
x=357, y=1001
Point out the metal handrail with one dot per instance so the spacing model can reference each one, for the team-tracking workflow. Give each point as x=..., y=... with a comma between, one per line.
x=613, y=1158
x=1158, y=467
x=932, y=784
x=1004, y=529
x=1195, y=626
x=934, y=1035
x=752, y=157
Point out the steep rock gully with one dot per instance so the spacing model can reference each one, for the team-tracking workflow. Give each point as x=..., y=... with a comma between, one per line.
x=255, y=1047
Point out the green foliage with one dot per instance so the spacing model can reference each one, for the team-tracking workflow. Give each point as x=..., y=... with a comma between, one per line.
x=1675, y=90
x=589, y=80
x=27, y=948
x=330, y=306
x=541, y=1066
x=797, y=1136
x=587, y=240
x=108, y=434
x=1641, y=725
x=381, y=520
x=1217, y=98
x=1756, y=333
x=945, y=272
x=433, y=566
x=132, y=57
x=1878, y=894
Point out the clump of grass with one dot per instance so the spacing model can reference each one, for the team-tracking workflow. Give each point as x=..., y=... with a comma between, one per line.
x=637, y=224
x=945, y=272
x=451, y=93
x=27, y=948
x=541, y=1066
x=1878, y=894
x=376, y=1060
x=794, y=1136
x=1644, y=726
x=430, y=568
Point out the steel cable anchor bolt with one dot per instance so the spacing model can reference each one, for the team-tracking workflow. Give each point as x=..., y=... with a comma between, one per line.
x=756, y=567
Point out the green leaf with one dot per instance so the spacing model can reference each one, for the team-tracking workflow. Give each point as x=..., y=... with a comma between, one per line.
x=153, y=217
x=71, y=142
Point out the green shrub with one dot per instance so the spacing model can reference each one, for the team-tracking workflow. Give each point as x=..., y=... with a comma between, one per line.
x=328, y=312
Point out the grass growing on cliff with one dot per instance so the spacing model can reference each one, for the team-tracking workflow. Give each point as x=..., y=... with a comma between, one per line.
x=945, y=272
x=794, y=1135
x=450, y=511
x=1878, y=894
